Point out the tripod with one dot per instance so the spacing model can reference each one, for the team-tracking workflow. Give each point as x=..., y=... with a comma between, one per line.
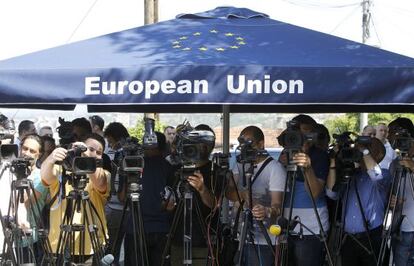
x=342, y=235
x=133, y=204
x=290, y=186
x=391, y=226
x=78, y=202
x=23, y=192
x=185, y=208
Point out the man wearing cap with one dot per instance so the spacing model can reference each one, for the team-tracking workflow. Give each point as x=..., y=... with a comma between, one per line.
x=363, y=206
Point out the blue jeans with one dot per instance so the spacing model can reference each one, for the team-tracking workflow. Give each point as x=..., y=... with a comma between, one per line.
x=404, y=249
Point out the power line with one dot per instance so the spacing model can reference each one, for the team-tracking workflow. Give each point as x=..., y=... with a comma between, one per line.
x=82, y=20
x=318, y=5
x=344, y=19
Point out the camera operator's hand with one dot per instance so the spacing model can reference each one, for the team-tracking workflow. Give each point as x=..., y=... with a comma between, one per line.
x=259, y=212
x=407, y=162
x=57, y=155
x=302, y=159
x=197, y=181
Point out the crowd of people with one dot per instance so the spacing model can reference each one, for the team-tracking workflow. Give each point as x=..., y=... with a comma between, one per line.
x=330, y=208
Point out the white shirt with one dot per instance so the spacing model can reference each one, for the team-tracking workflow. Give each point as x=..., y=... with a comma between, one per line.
x=390, y=156
x=272, y=178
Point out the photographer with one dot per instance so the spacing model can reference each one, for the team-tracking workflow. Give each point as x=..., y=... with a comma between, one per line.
x=157, y=171
x=364, y=204
x=200, y=181
x=306, y=248
x=97, y=187
x=268, y=182
x=115, y=134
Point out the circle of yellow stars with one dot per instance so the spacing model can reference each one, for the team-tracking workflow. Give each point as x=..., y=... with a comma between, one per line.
x=182, y=41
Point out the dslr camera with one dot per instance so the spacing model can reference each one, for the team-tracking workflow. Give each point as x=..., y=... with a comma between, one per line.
x=293, y=139
x=402, y=141
x=348, y=154
x=248, y=154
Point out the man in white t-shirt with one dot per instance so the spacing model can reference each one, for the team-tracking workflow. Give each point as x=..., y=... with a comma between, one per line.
x=268, y=183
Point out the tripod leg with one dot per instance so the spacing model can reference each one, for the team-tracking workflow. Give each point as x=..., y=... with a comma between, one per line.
x=172, y=231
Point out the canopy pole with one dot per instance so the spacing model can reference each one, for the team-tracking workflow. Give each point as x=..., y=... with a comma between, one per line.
x=225, y=125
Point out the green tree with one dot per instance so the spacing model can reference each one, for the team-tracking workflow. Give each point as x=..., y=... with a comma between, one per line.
x=139, y=129
x=350, y=121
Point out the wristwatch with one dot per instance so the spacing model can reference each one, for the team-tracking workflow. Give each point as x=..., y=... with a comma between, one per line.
x=365, y=152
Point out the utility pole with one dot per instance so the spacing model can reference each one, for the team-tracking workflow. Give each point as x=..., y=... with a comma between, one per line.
x=366, y=20
x=150, y=17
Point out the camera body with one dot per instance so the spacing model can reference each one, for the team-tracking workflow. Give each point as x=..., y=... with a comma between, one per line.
x=293, y=139
x=20, y=167
x=149, y=139
x=402, y=141
x=248, y=154
x=348, y=154
x=193, y=146
x=65, y=131
x=131, y=164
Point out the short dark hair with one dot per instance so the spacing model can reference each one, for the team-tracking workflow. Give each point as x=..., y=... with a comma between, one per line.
x=256, y=132
x=402, y=122
x=35, y=137
x=98, y=138
x=83, y=123
x=305, y=119
x=117, y=131
x=97, y=120
x=24, y=126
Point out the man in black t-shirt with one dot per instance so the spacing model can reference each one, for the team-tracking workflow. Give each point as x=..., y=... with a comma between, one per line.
x=204, y=192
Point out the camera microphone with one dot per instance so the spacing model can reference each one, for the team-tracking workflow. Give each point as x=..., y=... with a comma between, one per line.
x=282, y=224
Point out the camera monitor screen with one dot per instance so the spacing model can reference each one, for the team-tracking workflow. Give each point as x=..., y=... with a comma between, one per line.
x=133, y=163
x=9, y=151
x=84, y=165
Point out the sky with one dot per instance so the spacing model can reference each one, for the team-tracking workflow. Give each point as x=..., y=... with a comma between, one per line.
x=27, y=26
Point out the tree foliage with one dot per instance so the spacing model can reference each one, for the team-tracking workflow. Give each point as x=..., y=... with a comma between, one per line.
x=350, y=121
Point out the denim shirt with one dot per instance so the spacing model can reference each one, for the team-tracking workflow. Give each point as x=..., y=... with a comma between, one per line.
x=372, y=187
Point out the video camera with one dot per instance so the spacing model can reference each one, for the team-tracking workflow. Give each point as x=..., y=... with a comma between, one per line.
x=193, y=146
x=78, y=165
x=149, y=139
x=20, y=167
x=248, y=154
x=7, y=130
x=348, y=153
x=293, y=139
x=403, y=141
x=65, y=130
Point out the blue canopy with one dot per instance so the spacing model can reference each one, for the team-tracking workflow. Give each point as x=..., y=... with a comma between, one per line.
x=200, y=62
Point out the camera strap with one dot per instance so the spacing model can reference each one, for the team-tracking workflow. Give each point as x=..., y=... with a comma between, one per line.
x=266, y=162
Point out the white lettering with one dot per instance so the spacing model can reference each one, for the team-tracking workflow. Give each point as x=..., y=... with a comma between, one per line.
x=121, y=86
x=135, y=87
x=184, y=86
x=90, y=84
x=111, y=89
x=279, y=86
x=293, y=83
x=230, y=84
x=168, y=86
x=151, y=87
x=203, y=84
x=251, y=84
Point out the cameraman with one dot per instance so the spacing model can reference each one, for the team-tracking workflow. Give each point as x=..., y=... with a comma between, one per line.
x=305, y=248
x=157, y=171
x=97, y=188
x=267, y=191
x=201, y=183
x=365, y=206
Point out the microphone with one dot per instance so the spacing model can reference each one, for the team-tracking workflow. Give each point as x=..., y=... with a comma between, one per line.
x=107, y=260
x=282, y=224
